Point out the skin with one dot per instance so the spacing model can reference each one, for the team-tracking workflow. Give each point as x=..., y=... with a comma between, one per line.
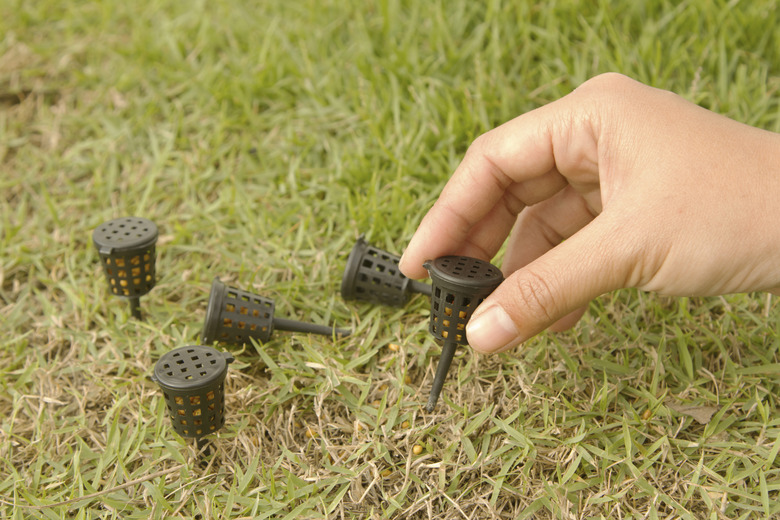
x=614, y=185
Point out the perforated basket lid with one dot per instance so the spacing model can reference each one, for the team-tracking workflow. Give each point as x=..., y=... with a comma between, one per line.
x=463, y=272
x=216, y=296
x=353, y=265
x=124, y=234
x=190, y=367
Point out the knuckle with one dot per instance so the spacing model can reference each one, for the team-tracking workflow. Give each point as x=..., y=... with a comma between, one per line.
x=607, y=82
x=478, y=145
x=606, y=91
x=533, y=294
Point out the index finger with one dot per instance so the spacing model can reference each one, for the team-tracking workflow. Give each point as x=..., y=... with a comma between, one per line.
x=503, y=170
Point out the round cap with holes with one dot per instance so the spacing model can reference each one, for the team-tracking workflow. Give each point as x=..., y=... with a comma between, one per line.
x=463, y=273
x=192, y=379
x=127, y=252
x=124, y=234
x=191, y=367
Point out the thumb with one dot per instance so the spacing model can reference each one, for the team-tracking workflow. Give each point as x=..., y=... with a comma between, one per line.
x=595, y=260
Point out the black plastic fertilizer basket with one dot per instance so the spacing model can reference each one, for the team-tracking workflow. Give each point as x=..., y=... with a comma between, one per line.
x=192, y=380
x=372, y=275
x=460, y=283
x=126, y=247
x=235, y=316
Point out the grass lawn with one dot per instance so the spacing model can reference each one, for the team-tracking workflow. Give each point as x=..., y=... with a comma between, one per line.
x=263, y=138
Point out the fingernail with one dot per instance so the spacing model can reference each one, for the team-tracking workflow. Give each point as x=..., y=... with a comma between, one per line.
x=491, y=330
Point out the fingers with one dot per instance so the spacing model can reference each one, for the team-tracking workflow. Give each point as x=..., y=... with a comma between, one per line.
x=541, y=227
x=506, y=169
x=441, y=231
x=593, y=261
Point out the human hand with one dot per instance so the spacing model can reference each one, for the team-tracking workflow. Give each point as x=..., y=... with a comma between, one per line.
x=614, y=185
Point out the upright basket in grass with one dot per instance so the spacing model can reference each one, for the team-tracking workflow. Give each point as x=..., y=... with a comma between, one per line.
x=460, y=283
x=192, y=380
x=126, y=247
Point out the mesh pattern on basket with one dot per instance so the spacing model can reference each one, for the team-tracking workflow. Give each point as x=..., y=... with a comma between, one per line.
x=460, y=283
x=373, y=275
x=235, y=316
x=192, y=379
x=127, y=252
